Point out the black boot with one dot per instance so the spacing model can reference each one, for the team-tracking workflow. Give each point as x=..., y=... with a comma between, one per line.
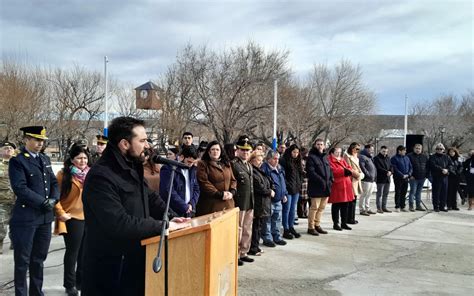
x=287, y=234
x=295, y=234
x=346, y=227
x=337, y=227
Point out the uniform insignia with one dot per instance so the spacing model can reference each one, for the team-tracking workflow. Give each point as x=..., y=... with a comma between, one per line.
x=26, y=154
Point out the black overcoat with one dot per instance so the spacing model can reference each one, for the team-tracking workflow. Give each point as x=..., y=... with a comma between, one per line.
x=262, y=185
x=319, y=174
x=119, y=211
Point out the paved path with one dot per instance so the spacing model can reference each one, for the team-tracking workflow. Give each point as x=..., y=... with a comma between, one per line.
x=416, y=253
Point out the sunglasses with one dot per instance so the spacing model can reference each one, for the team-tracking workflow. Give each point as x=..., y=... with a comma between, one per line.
x=439, y=149
x=357, y=149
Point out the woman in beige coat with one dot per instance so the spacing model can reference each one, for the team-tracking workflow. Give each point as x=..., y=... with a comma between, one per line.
x=352, y=158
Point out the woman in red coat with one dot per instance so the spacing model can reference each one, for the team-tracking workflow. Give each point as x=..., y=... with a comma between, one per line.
x=341, y=190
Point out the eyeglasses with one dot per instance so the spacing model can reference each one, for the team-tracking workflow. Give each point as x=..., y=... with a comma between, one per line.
x=439, y=149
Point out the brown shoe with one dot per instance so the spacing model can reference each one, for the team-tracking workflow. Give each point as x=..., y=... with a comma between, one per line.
x=320, y=230
x=313, y=232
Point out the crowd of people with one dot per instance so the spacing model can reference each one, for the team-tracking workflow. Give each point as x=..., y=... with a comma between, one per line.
x=104, y=203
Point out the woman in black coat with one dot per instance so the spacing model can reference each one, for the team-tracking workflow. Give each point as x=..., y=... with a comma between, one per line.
x=263, y=193
x=291, y=163
x=454, y=178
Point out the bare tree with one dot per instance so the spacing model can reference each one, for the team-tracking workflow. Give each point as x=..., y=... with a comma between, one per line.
x=22, y=97
x=77, y=101
x=227, y=87
x=126, y=100
x=334, y=100
x=447, y=119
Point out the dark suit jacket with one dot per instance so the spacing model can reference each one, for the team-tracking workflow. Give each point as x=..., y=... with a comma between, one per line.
x=178, y=190
x=32, y=181
x=119, y=211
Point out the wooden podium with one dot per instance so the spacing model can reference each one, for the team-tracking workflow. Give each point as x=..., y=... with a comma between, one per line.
x=202, y=258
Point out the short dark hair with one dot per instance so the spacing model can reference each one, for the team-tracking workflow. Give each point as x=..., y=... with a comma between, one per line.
x=368, y=146
x=401, y=148
x=383, y=147
x=187, y=134
x=189, y=151
x=318, y=140
x=122, y=128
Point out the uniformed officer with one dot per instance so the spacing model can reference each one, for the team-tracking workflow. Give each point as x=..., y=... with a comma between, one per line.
x=7, y=198
x=244, y=198
x=36, y=189
x=101, y=144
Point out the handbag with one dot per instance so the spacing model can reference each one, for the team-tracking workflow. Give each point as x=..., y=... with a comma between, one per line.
x=347, y=172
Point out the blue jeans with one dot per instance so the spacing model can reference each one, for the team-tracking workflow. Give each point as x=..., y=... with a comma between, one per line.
x=415, y=192
x=272, y=225
x=289, y=208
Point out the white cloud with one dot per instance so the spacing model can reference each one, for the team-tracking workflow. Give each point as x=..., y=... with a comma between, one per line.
x=421, y=47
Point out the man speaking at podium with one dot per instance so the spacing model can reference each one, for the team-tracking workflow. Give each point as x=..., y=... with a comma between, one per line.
x=120, y=210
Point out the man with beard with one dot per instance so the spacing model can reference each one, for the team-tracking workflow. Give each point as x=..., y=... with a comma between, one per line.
x=120, y=210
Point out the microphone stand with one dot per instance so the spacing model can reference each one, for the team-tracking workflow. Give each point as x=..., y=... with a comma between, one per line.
x=157, y=262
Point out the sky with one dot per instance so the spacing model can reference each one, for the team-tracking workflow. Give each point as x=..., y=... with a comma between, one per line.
x=418, y=48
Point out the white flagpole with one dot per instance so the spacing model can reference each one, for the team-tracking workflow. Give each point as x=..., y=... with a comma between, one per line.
x=275, y=102
x=406, y=121
x=106, y=121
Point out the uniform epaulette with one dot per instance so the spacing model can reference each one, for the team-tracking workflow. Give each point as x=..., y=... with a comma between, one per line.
x=26, y=154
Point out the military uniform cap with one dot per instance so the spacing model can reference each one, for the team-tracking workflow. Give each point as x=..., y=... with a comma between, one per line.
x=102, y=139
x=37, y=131
x=7, y=143
x=244, y=143
x=81, y=142
x=202, y=145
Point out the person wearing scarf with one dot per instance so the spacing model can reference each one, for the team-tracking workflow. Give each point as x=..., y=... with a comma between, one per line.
x=70, y=215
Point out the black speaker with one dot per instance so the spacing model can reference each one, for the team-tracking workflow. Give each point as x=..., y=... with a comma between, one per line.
x=411, y=140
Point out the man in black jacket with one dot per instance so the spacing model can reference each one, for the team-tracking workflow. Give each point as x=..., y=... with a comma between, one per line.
x=384, y=171
x=320, y=180
x=419, y=163
x=440, y=165
x=120, y=211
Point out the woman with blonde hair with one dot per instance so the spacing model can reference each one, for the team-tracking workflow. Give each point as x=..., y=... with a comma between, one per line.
x=352, y=159
x=263, y=193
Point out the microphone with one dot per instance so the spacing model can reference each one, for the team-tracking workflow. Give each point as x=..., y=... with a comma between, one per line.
x=164, y=160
